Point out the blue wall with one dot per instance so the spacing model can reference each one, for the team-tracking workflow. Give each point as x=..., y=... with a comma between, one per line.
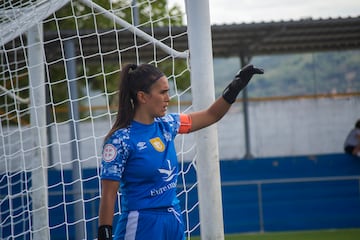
x=290, y=205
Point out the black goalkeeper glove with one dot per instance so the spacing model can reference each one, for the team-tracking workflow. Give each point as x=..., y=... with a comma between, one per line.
x=105, y=232
x=240, y=81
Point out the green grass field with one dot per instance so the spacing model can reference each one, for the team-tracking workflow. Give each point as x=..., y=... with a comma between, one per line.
x=338, y=234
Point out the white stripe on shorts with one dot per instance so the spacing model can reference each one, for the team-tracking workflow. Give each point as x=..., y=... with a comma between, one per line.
x=131, y=225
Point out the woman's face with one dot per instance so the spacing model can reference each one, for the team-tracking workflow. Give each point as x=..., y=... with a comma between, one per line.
x=158, y=98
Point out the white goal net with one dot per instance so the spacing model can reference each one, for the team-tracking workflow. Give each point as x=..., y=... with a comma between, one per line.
x=59, y=67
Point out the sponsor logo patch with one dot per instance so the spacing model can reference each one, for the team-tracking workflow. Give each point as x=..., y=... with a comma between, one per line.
x=169, y=173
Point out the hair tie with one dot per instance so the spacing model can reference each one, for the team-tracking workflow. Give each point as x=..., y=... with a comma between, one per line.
x=133, y=66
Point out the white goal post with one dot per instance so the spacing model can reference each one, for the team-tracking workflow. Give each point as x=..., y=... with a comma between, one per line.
x=45, y=175
x=202, y=75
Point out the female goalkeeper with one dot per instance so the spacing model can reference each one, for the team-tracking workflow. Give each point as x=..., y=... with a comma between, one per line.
x=139, y=154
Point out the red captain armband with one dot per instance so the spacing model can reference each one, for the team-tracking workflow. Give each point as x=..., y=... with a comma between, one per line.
x=185, y=123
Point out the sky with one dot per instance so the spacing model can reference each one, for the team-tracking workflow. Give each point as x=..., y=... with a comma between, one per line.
x=247, y=11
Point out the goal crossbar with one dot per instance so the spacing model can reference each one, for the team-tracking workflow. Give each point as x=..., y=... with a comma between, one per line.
x=20, y=21
x=14, y=96
x=16, y=22
x=172, y=52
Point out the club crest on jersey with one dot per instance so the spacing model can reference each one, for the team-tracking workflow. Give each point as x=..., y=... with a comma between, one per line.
x=109, y=153
x=157, y=144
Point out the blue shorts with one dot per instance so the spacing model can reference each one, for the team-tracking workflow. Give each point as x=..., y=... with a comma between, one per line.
x=157, y=224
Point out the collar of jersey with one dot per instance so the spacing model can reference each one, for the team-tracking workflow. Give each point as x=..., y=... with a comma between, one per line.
x=142, y=125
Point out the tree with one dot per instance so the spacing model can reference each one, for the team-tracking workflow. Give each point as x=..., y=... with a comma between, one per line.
x=76, y=16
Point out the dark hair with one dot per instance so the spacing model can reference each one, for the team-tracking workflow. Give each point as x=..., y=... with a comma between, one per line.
x=133, y=78
x=357, y=124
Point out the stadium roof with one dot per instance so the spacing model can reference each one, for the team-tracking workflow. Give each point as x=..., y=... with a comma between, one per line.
x=246, y=39
x=253, y=39
x=250, y=39
x=305, y=35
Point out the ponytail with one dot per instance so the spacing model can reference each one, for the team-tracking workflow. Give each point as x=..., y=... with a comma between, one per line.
x=133, y=78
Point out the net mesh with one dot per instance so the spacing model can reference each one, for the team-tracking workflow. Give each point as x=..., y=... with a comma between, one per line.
x=82, y=46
